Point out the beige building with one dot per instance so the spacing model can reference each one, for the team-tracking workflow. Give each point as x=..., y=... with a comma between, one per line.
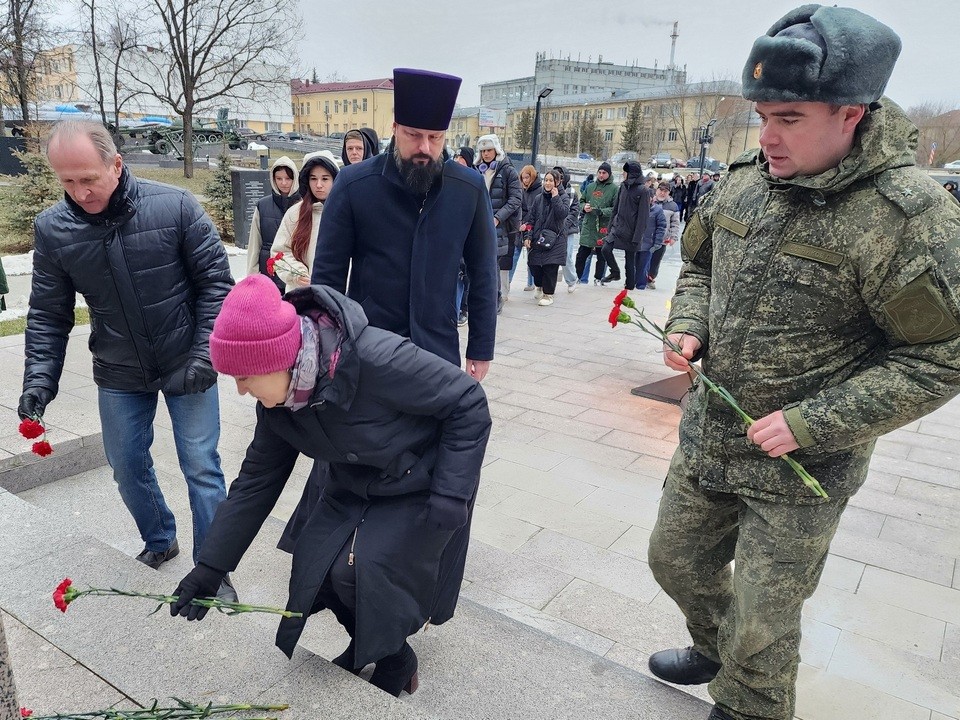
x=672, y=121
x=325, y=108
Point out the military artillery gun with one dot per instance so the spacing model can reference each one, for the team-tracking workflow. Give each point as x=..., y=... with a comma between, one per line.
x=162, y=137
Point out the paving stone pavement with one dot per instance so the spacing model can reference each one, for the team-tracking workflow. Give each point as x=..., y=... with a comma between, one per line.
x=569, y=495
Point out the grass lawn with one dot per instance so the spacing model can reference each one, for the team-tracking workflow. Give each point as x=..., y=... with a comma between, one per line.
x=16, y=326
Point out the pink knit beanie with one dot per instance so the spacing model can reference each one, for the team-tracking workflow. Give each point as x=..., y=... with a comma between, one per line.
x=257, y=332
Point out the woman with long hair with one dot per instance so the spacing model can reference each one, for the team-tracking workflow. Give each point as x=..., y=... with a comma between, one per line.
x=530, y=185
x=545, y=242
x=297, y=236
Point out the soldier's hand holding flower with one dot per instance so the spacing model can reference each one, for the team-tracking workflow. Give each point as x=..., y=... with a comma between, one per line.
x=773, y=434
x=690, y=346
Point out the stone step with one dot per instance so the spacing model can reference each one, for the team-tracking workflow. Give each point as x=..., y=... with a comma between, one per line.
x=480, y=664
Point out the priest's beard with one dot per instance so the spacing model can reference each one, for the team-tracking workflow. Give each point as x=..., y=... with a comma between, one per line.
x=419, y=178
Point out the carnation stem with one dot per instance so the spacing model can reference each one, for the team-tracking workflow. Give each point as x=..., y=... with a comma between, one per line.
x=226, y=607
x=651, y=328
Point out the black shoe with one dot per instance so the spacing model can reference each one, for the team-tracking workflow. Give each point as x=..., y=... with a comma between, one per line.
x=398, y=672
x=345, y=660
x=609, y=279
x=718, y=714
x=683, y=666
x=462, y=319
x=156, y=559
x=227, y=593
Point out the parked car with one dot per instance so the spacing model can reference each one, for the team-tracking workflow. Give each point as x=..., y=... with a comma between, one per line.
x=952, y=167
x=585, y=156
x=336, y=135
x=709, y=164
x=662, y=159
x=618, y=159
x=677, y=162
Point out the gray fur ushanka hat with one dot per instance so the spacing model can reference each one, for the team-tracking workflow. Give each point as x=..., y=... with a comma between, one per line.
x=821, y=54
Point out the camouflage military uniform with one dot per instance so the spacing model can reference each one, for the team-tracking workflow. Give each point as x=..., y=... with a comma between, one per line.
x=835, y=298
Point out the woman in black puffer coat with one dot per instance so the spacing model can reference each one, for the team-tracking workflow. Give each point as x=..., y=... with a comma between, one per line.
x=548, y=213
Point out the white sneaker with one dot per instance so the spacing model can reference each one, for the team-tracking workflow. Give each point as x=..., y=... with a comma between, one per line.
x=571, y=288
x=527, y=288
x=546, y=300
x=539, y=294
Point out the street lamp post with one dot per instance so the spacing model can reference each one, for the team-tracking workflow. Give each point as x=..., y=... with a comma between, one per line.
x=705, y=140
x=536, y=126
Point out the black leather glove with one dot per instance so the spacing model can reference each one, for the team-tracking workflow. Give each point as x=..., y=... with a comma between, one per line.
x=194, y=377
x=33, y=402
x=443, y=512
x=201, y=582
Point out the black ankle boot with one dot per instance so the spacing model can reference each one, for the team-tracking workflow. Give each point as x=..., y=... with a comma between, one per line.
x=609, y=279
x=683, y=666
x=398, y=672
x=345, y=659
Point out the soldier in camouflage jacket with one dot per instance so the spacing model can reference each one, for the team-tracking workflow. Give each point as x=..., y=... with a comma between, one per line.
x=827, y=301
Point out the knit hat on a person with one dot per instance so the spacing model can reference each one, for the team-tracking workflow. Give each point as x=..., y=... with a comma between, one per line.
x=257, y=332
x=821, y=54
x=467, y=154
x=605, y=166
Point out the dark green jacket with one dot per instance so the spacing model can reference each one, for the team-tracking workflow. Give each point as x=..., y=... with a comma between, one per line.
x=601, y=196
x=835, y=298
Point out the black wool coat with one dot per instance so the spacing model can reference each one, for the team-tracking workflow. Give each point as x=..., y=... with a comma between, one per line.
x=395, y=423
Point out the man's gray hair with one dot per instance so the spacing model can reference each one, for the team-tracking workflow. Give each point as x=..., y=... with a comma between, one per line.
x=100, y=137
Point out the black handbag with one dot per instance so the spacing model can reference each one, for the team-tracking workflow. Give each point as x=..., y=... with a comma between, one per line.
x=546, y=240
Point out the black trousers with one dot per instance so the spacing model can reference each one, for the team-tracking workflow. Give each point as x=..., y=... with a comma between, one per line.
x=583, y=252
x=655, y=262
x=629, y=262
x=545, y=276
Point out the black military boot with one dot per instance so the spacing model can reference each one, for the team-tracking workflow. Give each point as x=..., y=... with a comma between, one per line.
x=683, y=666
x=397, y=673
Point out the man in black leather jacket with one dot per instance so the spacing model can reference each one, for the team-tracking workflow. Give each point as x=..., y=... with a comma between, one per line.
x=151, y=267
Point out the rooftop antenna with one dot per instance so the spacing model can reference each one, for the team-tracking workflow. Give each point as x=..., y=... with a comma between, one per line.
x=673, y=47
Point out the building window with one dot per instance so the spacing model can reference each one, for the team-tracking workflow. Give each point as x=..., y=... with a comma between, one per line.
x=566, y=114
x=672, y=135
x=356, y=106
x=599, y=113
x=554, y=116
x=336, y=106
x=364, y=104
x=621, y=112
x=608, y=135
x=647, y=109
x=609, y=113
x=326, y=107
x=308, y=108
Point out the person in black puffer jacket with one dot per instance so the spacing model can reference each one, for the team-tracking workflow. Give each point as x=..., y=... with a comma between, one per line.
x=503, y=184
x=531, y=186
x=151, y=267
x=268, y=215
x=547, y=217
x=630, y=212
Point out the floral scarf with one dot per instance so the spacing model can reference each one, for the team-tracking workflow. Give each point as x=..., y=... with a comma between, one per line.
x=319, y=332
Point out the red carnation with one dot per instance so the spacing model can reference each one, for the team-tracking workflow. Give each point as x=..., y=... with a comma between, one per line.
x=614, y=315
x=24, y=713
x=270, y=263
x=597, y=193
x=31, y=428
x=42, y=448
x=278, y=256
x=618, y=300
x=603, y=231
x=60, y=595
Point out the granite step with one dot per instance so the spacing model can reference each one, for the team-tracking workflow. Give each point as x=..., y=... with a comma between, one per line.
x=481, y=664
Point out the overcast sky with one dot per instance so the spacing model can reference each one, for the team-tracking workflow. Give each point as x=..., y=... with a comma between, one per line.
x=494, y=40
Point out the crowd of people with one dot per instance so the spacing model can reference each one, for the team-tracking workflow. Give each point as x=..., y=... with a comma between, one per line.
x=822, y=274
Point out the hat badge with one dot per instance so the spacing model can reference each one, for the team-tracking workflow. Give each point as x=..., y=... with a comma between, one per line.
x=757, y=70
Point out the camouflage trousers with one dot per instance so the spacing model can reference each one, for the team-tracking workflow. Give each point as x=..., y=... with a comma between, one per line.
x=746, y=618
x=9, y=709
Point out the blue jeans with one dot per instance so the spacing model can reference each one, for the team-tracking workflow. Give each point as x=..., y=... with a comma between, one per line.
x=642, y=261
x=569, y=270
x=516, y=259
x=126, y=419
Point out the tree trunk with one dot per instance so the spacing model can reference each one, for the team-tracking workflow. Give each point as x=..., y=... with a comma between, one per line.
x=9, y=705
x=188, y=140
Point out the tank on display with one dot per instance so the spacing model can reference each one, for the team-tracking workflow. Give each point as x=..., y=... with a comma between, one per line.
x=167, y=139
